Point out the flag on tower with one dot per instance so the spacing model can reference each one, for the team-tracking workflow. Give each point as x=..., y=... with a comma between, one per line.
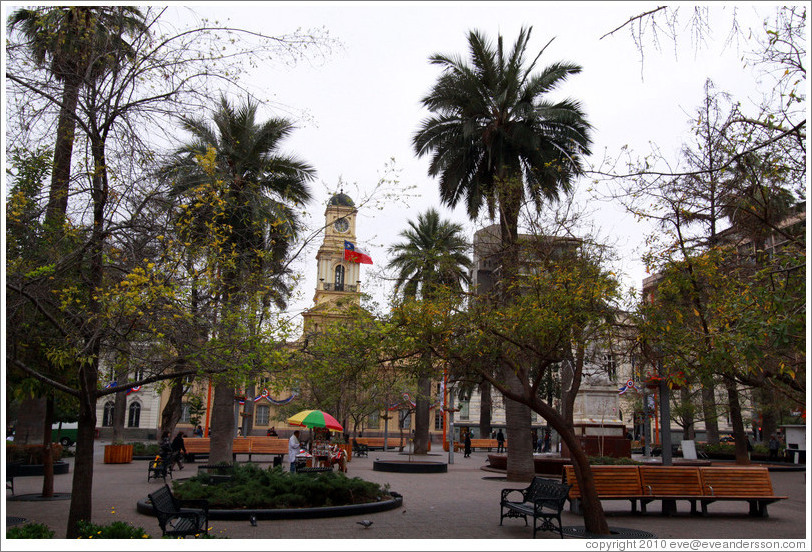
x=355, y=254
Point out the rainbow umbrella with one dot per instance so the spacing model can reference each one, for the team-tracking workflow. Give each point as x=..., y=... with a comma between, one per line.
x=315, y=418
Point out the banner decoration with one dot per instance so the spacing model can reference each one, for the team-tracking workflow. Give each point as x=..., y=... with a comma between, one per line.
x=628, y=385
x=408, y=402
x=264, y=395
x=130, y=390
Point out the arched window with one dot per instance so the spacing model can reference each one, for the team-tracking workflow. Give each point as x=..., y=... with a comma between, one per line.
x=107, y=418
x=339, y=282
x=185, y=413
x=135, y=414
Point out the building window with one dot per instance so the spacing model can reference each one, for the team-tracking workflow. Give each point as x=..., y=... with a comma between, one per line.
x=374, y=420
x=611, y=366
x=406, y=416
x=464, y=410
x=438, y=419
x=184, y=413
x=262, y=415
x=107, y=418
x=339, y=281
x=134, y=418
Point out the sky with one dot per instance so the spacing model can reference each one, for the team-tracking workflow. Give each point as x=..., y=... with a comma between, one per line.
x=357, y=110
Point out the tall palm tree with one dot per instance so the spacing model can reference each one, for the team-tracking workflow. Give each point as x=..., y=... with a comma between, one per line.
x=77, y=44
x=260, y=190
x=495, y=140
x=434, y=256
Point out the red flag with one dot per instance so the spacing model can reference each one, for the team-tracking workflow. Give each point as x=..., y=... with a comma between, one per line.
x=355, y=254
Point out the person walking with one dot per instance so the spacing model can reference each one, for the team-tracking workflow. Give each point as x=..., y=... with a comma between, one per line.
x=467, y=444
x=773, y=445
x=178, y=445
x=500, y=441
x=293, y=450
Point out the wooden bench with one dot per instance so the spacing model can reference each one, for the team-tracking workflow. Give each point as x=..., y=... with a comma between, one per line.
x=701, y=484
x=241, y=445
x=179, y=518
x=481, y=444
x=751, y=484
x=195, y=446
x=373, y=443
x=544, y=500
x=359, y=449
x=268, y=445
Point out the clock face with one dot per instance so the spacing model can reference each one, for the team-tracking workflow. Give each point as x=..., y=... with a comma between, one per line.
x=341, y=225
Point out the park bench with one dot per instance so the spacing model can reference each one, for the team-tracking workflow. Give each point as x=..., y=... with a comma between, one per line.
x=543, y=500
x=270, y=446
x=241, y=445
x=359, y=449
x=480, y=443
x=751, y=484
x=196, y=446
x=611, y=483
x=159, y=468
x=179, y=518
x=702, y=484
x=373, y=443
x=11, y=473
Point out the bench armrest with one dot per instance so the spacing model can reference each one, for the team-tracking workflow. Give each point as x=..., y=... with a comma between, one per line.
x=200, y=504
x=506, y=492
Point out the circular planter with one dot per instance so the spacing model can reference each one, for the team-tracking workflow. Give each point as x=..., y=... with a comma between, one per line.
x=405, y=466
x=144, y=507
x=24, y=470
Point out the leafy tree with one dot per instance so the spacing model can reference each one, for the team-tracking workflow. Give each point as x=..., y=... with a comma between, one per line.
x=78, y=44
x=496, y=140
x=119, y=269
x=432, y=257
x=257, y=189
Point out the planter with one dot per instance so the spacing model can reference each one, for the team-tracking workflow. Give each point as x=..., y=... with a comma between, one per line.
x=118, y=454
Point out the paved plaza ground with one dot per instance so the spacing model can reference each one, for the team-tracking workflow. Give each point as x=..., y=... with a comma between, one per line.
x=460, y=504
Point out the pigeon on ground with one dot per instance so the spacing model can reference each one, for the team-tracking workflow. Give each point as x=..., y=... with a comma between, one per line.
x=366, y=523
x=253, y=520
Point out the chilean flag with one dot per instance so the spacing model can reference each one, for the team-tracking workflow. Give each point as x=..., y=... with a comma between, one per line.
x=355, y=254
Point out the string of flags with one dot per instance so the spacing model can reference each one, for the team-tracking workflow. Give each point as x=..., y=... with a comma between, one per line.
x=130, y=390
x=264, y=395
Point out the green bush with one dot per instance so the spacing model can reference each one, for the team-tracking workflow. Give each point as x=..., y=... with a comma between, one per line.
x=250, y=486
x=116, y=530
x=30, y=531
x=144, y=449
x=611, y=461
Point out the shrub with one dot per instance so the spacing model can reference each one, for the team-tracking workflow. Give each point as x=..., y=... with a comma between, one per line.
x=116, y=530
x=30, y=454
x=611, y=461
x=144, y=449
x=250, y=486
x=30, y=531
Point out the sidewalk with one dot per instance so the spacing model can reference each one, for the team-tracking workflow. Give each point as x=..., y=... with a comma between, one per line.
x=460, y=504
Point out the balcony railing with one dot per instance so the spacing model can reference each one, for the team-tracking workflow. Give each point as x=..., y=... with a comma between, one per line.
x=340, y=287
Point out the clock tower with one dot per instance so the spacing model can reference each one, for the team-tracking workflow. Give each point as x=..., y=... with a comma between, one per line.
x=338, y=282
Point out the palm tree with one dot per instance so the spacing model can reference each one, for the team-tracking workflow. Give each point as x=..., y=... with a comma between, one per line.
x=496, y=140
x=434, y=256
x=260, y=188
x=78, y=44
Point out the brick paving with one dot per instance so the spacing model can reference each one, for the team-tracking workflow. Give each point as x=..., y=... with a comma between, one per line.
x=460, y=504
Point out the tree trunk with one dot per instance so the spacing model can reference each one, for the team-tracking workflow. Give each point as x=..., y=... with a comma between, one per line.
x=119, y=415
x=485, y=409
x=47, y=451
x=247, y=422
x=688, y=430
x=709, y=411
x=81, y=505
x=63, y=152
x=170, y=415
x=520, y=464
x=222, y=424
x=422, y=415
x=739, y=433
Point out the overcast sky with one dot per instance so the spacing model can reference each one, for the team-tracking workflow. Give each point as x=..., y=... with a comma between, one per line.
x=362, y=104
x=358, y=109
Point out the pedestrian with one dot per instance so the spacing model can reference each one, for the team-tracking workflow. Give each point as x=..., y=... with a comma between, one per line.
x=500, y=441
x=467, y=444
x=165, y=446
x=547, y=442
x=536, y=442
x=198, y=432
x=177, y=446
x=293, y=450
x=773, y=445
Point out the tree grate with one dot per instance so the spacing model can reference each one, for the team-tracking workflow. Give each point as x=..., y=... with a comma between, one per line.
x=580, y=532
